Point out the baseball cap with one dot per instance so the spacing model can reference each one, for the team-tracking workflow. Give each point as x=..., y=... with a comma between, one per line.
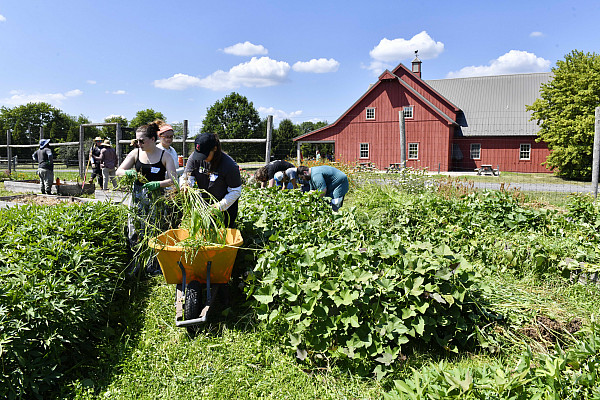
x=205, y=142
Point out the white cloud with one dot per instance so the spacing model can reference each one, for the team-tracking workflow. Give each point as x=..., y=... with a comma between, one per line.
x=246, y=49
x=320, y=66
x=258, y=72
x=177, y=82
x=18, y=97
x=278, y=114
x=389, y=52
x=513, y=62
x=114, y=116
x=536, y=34
x=119, y=92
x=91, y=82
x=2, y=18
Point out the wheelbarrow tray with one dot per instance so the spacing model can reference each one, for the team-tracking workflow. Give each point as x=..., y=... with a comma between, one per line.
x=169, y=253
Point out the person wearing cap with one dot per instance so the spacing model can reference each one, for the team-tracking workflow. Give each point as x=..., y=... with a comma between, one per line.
x=95, y=159
x=266, y=175
x=108, y=163
x=329, y=181
x=165, y=136
x=286, y=179
x=158, y=168
x=43, y=156
x=217, y=173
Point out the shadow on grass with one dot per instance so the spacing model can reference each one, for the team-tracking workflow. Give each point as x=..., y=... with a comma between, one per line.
x=122, y=324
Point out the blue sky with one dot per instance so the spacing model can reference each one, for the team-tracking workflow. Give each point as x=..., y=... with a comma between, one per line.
x=304, y=60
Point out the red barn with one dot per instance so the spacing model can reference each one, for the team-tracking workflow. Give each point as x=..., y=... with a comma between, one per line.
x=449, y=124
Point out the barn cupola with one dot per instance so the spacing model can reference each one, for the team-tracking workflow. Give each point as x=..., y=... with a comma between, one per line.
x=416, y=65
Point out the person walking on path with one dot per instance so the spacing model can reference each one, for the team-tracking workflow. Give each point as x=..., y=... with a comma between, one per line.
x=43, y=156
x=95, y=159
x=329, y=181
x=108, y=163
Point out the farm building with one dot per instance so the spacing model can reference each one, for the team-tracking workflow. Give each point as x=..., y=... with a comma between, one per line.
x=449, y=124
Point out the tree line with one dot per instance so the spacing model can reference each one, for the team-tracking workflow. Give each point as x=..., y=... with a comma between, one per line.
x=233, y=117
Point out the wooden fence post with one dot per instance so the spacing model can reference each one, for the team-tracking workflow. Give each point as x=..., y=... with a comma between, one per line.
x=8, y=152
x=402, y=138
x=184, y=152
x=118, y=144
x=596, y=153
x=82, y=156
x=269, y=135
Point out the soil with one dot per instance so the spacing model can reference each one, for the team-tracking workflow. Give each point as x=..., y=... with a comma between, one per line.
x=550, y=331
x=42, y=200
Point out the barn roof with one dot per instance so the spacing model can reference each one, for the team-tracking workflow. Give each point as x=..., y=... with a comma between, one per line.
x=493, y=105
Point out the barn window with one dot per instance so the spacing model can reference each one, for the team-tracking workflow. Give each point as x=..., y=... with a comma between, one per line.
x=370, y=112
x=525, y=151
x=475, y=151
x=408, y=112
x=413, y=151
x=364, y=150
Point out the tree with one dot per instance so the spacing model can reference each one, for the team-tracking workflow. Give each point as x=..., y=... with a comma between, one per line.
x=111, y=131
x=26, y=120
x=234, y=117
x=282, y=146
x=565, y=114
x=144, y=117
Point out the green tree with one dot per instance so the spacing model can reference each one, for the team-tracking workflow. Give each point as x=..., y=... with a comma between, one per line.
x=144, y=117
x=565, y=114
x=110, y=132
x=234, y=117
x=282, y=146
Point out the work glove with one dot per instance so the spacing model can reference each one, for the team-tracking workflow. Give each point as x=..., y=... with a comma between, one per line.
x=151, y=186
x=130, y=172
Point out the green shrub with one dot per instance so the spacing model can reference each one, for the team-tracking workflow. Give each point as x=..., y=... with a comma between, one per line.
x=59, y=268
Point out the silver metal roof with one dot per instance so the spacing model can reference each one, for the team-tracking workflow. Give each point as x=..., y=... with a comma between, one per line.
x=493, y=105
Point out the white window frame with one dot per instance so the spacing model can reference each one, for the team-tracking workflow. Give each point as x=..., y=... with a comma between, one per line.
x=528, y=151
x=367, y=113
x=415, y=147
x=410, y=110
x=472, y=151
x=363, y=147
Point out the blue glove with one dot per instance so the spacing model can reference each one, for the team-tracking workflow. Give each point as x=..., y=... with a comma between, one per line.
x=151, y=186
x=130, y=172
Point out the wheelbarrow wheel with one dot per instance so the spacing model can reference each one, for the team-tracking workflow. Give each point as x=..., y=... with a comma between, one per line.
x=193, y=300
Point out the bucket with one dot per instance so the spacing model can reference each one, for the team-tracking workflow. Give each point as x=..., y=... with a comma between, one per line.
x=180, y=161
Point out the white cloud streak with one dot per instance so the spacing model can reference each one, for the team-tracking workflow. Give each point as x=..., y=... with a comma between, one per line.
x=513, y=62
x=317, y=66
x=246, y=49
x=18, y=97
x=91, y=82
x=536, y=34
x=390, y=52
x=258, y=72
x=2, y=18
x=278, y=114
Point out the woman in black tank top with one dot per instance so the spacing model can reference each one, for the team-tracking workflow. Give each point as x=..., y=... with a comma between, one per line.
x=148, y=160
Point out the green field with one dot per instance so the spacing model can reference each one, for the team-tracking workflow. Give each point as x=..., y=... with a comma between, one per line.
x=403, y=294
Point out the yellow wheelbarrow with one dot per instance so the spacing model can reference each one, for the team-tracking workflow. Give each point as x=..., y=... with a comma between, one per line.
x=190, y=268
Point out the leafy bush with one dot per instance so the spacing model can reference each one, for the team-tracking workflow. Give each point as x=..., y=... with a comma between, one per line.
x=331, y=290
x=59, y=268
x=570, y=374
